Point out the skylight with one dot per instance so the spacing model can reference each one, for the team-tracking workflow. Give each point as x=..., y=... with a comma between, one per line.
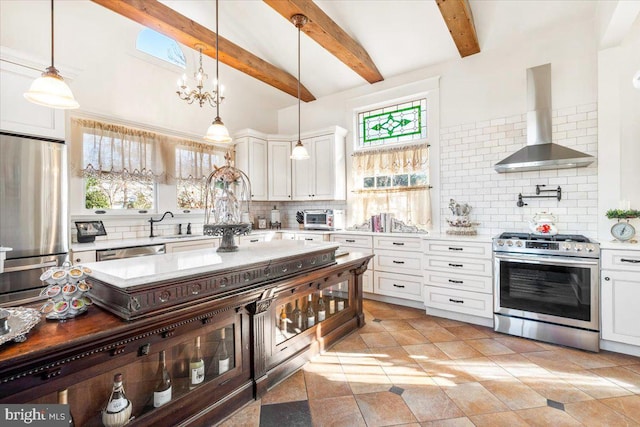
x=160, y=46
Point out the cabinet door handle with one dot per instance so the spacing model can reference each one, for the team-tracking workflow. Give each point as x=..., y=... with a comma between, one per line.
x=350, y=241
x=254, y=240
x=308, y=238
x=457, y=301
x=633, y=261
x=455, y=249
x=398, y=286
x=455, y=265
x=398, y=262
x=607, y=278
x=459, y=282
x=398, y=243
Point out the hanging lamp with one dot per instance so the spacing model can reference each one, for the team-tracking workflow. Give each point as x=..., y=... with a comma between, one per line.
x=299, y=152
x=217, y=132
x=49, y=89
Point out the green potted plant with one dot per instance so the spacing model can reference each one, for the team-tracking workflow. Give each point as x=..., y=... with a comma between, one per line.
x=622, y=213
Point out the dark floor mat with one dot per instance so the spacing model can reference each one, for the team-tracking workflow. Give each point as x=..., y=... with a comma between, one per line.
x=286, y=414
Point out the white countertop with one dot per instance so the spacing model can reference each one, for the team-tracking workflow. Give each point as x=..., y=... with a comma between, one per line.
x=614, y=244
x=130, y=272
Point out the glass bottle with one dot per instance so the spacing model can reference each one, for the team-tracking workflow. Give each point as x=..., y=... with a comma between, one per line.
x=283, y=320
x=332, y=302
x=196, y=366
x=340, y=299
x=310, y=314
x=297, y=319
x=63, y=399
x=322, y=308
x=162, y=390
x=222, y=355
x=118, y=409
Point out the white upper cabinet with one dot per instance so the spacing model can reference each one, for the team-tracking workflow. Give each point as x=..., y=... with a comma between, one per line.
x=18, y=114
x=279, y=169
x=251, y=158
x=323, y=175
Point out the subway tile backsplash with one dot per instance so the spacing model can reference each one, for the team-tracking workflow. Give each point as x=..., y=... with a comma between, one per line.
x=469, y=151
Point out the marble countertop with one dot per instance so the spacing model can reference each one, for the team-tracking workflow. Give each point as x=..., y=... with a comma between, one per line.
x=131, y=272
x=614, y=244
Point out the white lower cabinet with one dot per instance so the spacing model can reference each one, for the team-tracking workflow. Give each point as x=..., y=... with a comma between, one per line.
x=458, y=280
x=81, y=257
x=620, y=294
x=398, y=267
x=191, y=245
x=362, y=244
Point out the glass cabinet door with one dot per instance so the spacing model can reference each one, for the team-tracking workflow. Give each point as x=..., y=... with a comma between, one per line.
x=296, y=314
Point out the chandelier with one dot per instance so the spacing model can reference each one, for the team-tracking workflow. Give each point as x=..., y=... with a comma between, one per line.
x=199, y=94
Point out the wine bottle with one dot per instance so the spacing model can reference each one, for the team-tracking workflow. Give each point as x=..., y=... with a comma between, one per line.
x=118, y=409
x=283, y=320
x=322, y=309
x=297, y=319
x=310, y=314
x=340, y=300
x=162, y=390
x=63, y=399
x=196, y=366
x=222, y=355
x=332, y=302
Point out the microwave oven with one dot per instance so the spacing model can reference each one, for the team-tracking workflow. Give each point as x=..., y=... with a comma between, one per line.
x=323, y=219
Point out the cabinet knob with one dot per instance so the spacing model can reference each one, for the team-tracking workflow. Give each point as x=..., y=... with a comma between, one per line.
x=607, y=278
x=77, y=259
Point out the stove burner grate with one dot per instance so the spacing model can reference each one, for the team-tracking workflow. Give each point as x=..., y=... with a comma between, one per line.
x=556, y=238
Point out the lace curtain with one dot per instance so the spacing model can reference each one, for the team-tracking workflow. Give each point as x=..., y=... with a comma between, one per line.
x=410, y=203
x=132, y=154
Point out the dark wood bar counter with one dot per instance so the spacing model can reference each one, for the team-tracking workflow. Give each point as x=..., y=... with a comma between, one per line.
x=250, y=336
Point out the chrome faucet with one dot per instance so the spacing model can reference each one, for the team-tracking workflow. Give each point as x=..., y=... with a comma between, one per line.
x=151, y=221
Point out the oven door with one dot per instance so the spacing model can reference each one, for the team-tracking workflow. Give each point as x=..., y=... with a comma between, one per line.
x=554, y=289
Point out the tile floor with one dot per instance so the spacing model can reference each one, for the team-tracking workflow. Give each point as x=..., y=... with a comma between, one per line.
x=406, y=368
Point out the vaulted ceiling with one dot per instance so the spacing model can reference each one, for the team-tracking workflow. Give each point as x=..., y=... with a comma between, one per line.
x=349, y=42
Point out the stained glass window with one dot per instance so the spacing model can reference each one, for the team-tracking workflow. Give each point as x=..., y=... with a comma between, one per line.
x=398, y=123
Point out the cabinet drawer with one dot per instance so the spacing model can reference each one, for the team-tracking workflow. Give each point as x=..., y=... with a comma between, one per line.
x=465, y=249
x=84, y=256
x=398, y=262
x=190, y=246
x=621, y=260
x=397, y=243
x=367, y=281
x=288, y=236
x=356, y=241
x=252, y=239
x=459, y=301
x=458, y=265
x=398, y=285
x=465, y=282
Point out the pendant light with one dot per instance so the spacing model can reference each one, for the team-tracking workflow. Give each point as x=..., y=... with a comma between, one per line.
x=299, y=152
x=49, y=89
x=217, y=132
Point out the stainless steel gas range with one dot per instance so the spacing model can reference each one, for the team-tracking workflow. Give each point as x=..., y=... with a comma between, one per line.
x=547, y=288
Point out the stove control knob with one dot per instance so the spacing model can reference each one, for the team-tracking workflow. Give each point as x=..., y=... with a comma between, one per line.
x=500, y=242
x=566, y=246
x=519, y=243
x=509, y=243
x=579, y=248
x=590, y=248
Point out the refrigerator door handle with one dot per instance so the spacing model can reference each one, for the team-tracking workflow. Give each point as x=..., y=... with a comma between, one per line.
x=30, y=267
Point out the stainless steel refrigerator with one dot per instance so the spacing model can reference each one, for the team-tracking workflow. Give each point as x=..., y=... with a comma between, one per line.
x=33, y=213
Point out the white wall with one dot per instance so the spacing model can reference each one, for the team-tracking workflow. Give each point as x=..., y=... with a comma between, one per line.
x=109, y=78
x=490, y=86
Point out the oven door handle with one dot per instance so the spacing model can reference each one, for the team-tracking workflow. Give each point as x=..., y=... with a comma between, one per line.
x=546, y=259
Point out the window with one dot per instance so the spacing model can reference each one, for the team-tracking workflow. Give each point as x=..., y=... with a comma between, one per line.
x=122, y=166
x=160, y=46
x=393, y=124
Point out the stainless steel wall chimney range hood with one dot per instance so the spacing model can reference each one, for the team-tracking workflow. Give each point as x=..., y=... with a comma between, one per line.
x=540, y=153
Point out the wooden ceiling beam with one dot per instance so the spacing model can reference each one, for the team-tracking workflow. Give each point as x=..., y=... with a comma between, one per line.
x=330, y=36
x=157, y=16
x=457, y=15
